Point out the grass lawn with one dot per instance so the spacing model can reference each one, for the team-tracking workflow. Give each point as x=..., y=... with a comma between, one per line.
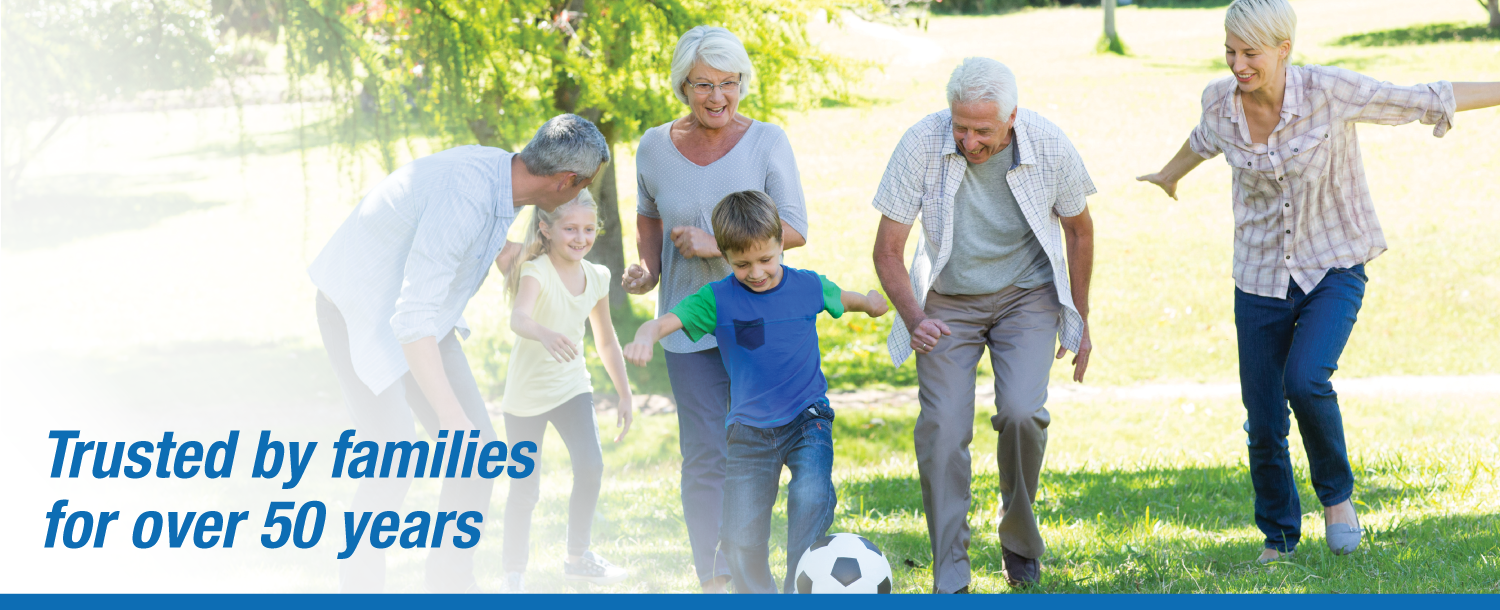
x=157, y=282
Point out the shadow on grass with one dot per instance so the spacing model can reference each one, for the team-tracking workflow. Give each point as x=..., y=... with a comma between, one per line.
x=1431, y=33
x=65, y=209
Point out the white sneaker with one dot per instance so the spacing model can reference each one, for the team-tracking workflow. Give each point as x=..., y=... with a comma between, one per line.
x=594, y=569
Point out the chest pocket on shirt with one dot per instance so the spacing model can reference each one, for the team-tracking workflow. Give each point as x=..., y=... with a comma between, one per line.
x=750, y=334
x=1305, y=154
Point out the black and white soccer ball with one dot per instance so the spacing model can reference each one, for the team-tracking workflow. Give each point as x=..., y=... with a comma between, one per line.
x=843, y=563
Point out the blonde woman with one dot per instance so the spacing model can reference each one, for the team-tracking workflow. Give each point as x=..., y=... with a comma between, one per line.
x=1305, y=227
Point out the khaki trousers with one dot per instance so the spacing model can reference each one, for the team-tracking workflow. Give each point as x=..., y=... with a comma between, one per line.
x=1020, y=329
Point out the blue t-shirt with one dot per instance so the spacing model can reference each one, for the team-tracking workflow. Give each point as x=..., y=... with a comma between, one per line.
x=769, y=342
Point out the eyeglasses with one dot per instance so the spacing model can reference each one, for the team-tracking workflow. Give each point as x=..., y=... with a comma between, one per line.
x=706, y=89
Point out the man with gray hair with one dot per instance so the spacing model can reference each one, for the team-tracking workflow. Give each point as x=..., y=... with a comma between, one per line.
x=392, y=286
x=995, y=186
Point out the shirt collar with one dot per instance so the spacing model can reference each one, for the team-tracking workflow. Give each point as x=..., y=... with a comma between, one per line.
x=1293, y=98
x=505, y=203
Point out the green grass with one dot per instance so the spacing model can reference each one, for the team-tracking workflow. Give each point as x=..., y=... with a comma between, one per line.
x=1121, y=510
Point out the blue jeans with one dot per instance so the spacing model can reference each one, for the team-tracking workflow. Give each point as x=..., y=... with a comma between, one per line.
x=756, y=456
x=1289, y=348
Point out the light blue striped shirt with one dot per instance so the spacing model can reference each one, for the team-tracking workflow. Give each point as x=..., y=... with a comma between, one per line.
x=407, y=260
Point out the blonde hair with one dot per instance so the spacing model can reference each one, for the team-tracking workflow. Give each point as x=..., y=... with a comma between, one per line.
x=743, y=219
x=1262, y=23
x=536, y=243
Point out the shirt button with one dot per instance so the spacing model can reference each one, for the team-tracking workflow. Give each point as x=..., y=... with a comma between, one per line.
x=1288, y=231
x=1288, y=205
x=1294, y=150
x=1278, y=178
x=1289, y=257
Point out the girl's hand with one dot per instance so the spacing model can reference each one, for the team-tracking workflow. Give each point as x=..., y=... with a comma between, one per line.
x=637, y=280
x=624, y=414
x=693, y=242
x=562, y=348
x=1170, y=186
x=877, y=303
x=638, y=353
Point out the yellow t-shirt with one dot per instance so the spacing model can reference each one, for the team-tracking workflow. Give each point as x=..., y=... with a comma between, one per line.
x=536, y=382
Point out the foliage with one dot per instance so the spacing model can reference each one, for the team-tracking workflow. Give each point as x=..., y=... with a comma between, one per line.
x=61, y=59
x=491, y=71
x=985, y=7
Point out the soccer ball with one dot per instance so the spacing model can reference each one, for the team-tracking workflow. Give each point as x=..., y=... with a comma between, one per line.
x=843, y=563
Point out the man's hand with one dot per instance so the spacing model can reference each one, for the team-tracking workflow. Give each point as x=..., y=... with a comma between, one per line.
x=637, y=280
x=876, y=305
x=1168, y=185
x=1080, y=361
x=455, y=422
x=926, y=333
x=639, y=352
x=624, y=414
x=562, y=348
x=693, y=242
x=507, y=257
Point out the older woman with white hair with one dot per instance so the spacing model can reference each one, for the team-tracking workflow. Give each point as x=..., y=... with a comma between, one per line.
x=683, y=169
x=1305, y=227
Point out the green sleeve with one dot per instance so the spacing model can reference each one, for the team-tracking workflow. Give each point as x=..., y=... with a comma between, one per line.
x=833, y=297
x=699, y=313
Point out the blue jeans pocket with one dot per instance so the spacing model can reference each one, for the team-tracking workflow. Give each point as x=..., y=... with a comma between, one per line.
x=1358, y=271
x=750, y=334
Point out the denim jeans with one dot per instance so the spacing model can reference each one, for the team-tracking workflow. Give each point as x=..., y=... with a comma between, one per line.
x=1289, y=348
x=756, y=456
x=701, y=386
x=575, y=423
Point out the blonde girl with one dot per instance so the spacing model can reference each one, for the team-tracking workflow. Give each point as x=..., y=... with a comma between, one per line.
x=554, y=291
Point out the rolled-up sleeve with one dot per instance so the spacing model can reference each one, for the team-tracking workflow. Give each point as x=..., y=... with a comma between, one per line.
x=899, y=196
x=1074, y=184
x=1367, y=100
x=784, y=184
x=450, y=223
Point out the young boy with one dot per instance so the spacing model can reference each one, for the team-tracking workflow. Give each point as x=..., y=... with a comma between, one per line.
x=764, y=316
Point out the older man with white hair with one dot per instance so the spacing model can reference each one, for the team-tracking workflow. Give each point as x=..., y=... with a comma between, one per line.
x=992, y=184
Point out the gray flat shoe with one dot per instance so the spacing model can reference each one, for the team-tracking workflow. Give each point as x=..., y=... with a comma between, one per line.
x=1343, y=539
x=1280, y=557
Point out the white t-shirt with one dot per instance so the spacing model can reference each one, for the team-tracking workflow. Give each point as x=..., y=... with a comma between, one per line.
x=535, y=381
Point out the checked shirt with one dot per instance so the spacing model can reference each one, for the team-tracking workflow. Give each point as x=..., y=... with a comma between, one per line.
x=1301, y=202
x=922, y=179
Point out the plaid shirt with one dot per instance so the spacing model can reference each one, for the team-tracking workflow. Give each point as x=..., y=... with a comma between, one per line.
x=1301, y=203
x=923, y=177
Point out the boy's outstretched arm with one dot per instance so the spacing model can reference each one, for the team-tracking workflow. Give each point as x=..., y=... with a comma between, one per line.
x=872, y=303
x=640, y=350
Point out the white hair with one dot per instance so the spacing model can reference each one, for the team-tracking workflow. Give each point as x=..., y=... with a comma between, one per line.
x=981, y=79
x=716, y=48
x=1261, y=23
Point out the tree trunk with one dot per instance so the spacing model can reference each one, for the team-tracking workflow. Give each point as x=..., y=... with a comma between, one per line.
x=1495, y=14
x=1109, y=20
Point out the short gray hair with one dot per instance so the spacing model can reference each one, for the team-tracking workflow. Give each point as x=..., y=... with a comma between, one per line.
x=981, y=79
x=566, y=143
x=715, y=47
x=1261, y=23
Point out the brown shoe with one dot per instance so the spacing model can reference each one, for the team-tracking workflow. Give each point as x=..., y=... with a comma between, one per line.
x=1021, y=572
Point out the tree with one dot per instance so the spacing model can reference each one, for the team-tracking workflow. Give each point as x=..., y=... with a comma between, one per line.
x=491, y=71
x=60, y=59
x=1110, y=42
x=1494, y=9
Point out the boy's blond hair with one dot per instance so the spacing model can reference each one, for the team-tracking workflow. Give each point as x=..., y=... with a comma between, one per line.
x=744, y=219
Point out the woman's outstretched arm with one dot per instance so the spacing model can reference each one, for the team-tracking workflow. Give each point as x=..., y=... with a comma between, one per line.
x=1179, y=166
x=1473, y=96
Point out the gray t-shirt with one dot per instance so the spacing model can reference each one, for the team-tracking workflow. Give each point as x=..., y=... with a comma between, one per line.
x=682, y=193
x=993, y=245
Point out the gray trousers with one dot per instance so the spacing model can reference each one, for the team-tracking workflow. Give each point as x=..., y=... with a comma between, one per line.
x=388, y=417
x=1020, y=329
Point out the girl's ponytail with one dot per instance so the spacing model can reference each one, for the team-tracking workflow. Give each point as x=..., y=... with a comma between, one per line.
x=536, y=244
